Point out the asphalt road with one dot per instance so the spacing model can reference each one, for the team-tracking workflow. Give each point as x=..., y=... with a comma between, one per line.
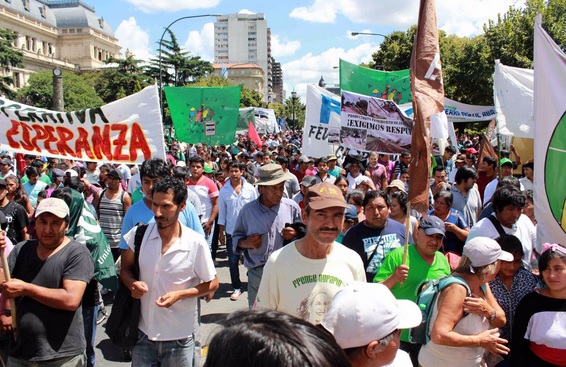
x=212, y=314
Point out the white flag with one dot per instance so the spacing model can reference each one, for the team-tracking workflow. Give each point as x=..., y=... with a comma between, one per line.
x=550, y=138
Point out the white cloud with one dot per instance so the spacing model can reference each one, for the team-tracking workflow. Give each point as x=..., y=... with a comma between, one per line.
x=132, y=37
x=246, y=11
x=201, y=43
x=153, y=6
x=309, y=68
x=462, y=17
x=283, y=48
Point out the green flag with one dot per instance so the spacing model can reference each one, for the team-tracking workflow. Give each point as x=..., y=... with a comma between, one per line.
x=391, y=85
x=245, y=116
x=204, y=114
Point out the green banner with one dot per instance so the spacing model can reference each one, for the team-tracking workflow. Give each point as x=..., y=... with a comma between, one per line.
x=391, y=85
x=245, y=116
x=204, y=114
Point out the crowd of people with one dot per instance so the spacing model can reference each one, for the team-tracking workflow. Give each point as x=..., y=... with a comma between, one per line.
x=335, y=257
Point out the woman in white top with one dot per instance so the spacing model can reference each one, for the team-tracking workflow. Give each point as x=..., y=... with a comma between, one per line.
x=463, y=326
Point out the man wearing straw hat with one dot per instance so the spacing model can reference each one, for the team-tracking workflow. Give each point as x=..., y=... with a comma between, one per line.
x=50, y=276
x=264, y=224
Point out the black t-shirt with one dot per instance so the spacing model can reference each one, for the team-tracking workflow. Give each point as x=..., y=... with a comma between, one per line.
x=45, y=333
x=17, y=218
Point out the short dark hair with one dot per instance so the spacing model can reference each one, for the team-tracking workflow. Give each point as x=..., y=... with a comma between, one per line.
x=105, y=167
x=181, y=173
x=508, y=196
x=38, y=163
x=465, y=173
x=154, y=168
x=284, y=161
x=450, y=149
x=275, y=339
x=446, y=195
x=511, y=244
x=357, y=196
x=490, y=161
x=196, y=159
x=374, y=194
x=438, y=169
x=174, y=184
x=508, y=181
x=405, y=153
x=238, y=165
x=32, y=171
x=75, y=183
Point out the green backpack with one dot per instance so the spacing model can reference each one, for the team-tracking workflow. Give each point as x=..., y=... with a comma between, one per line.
x=426, y=300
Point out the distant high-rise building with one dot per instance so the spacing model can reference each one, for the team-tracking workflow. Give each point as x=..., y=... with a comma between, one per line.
x=277, y=76
x=244, y=39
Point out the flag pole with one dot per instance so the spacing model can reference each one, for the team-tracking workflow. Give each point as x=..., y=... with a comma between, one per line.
x=407, y=233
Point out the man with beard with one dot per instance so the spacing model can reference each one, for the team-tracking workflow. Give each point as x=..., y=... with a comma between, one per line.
x=175, y=269
x=303, y=277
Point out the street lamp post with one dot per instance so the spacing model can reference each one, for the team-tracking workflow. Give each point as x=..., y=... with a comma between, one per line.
x=160, y=47
x=368, y=34
x=293, y=116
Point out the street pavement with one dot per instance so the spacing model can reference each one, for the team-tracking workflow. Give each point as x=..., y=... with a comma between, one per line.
x=212, y=315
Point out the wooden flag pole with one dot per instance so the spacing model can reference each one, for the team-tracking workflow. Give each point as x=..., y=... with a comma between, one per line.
x=407, y=228
x=8, y=277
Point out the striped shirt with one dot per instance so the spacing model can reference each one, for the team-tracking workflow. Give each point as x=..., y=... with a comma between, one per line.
x=111, y=217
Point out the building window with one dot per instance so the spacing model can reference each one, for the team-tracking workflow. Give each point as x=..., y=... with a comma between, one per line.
x=101, y=22
x=26, y=4
x=17, y=81
x=65, y=31
x=43, y=11
x=72, y=30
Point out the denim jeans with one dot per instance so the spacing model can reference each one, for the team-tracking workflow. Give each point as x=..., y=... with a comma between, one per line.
x=89, y=320
x=75, y=361
x=233, y=263
x=254, y=278
x=170, y=353
x=209, y=237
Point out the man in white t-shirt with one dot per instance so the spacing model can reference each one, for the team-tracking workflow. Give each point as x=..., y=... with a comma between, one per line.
x=508, y=203
x=303, y=277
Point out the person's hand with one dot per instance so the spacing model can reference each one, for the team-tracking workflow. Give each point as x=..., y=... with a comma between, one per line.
x=477, y=306
x=253, y=241
x=2, y=239
x=450, y=227
x=14, y=288
x=168, y=299
x=401, y=273
x=138, y=289
x=208, y=297
x=6, y=323
x=490, y=341
x=221, y=238
x=288, y=233
x=207, y=227
x=512, y=147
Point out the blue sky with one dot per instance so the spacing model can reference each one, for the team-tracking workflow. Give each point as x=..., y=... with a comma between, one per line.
x=308, y=37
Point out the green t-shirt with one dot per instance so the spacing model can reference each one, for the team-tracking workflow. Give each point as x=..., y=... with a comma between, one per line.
x=43, y=178
x=419, y=272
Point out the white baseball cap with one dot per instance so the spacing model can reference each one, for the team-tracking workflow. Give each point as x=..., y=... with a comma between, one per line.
x=483, y=251
x=55, y=206
x=366, y=312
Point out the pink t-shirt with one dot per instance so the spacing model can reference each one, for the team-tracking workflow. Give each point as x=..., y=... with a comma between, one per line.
x=377, y=174
x=205, y=189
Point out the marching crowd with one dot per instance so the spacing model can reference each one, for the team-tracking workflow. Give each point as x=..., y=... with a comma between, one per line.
x=329, y=282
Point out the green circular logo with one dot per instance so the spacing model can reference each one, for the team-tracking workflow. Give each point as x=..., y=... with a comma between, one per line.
x=554, y=183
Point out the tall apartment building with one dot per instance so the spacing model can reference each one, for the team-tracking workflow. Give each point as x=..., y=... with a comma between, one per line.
x=278, y=95
x=244, y=39
x=57, y=33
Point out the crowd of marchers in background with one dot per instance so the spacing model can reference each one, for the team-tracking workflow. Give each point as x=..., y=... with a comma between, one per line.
x=311, y=233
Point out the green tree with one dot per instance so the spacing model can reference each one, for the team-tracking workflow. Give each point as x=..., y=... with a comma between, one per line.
x=9, y=58
x=278, y=109
x=78, y=94
x=395, y=51
x=177, y=66
x=294, y=107
x=122, y=78
x=251, y=98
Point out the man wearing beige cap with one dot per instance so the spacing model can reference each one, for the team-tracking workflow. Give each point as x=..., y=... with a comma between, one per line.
x=264, y=224
x=303, y=277
x=366, y=321
x=50, y=275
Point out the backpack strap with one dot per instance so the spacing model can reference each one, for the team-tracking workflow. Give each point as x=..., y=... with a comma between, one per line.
x=496, y=224
x=140, y=232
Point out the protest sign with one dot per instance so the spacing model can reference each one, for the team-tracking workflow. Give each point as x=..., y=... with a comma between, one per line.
x=193, y=107
x=322, y=122
x=125, y=131
x=374, y=124
x=390, y=85
x=550, y=138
